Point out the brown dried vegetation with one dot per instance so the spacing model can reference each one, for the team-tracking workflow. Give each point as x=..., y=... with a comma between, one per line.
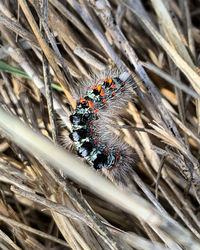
x=42, y=205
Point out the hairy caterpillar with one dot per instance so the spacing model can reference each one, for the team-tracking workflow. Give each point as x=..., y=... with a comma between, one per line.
x=89, y=121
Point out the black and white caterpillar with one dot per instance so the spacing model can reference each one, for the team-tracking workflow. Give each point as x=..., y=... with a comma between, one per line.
x=91, y=118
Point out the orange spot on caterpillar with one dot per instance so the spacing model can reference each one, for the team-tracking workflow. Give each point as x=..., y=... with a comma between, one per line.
x=106, y=150
x=112, y=86
x=113, y=167
x=95, y=142
x=92, y=132
x=96, y=111
x=99, y=88
x=104, y=100
x=82, y=100
x=117, y=158
x=91, y=123
x=106, y=79
x=91, y=104
x=110, y=80
x=94, y=87
x=102, y=93
x=113, y=93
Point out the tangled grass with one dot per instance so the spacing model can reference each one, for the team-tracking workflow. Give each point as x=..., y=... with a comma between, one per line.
x=49, y=198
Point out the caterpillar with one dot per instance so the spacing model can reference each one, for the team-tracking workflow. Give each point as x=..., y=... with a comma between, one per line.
x=90, y=120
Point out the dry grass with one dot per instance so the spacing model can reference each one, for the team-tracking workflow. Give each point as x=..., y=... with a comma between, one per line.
x=42, y=205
